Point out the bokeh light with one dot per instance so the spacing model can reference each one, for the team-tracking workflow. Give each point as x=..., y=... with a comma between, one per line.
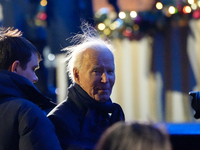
x=122, y=15
x=187, y=9
x=190, y=2
x=51, y=57
x=171, y=10
x=101, y=26
x=133, y=14
x=43, y=2
x=159, y=5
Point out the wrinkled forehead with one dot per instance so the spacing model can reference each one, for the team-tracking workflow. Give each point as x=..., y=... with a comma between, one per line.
x=98, y=57
x=99, y=52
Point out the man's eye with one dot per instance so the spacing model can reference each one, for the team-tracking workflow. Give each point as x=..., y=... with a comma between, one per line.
x=96, y=71
x=110, y=71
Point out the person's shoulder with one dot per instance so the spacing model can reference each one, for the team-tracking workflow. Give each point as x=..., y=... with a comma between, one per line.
x=21, y=105
x=60, y=109
x=22, y=109
x=66, y=107
x=17, y=102
x=117, y=106
x=20, y=102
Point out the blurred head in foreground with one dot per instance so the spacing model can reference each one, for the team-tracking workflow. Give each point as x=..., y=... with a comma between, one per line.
x=134, y=136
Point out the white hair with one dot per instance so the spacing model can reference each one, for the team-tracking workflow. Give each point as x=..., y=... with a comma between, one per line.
x=9, y=32
x=89, y=39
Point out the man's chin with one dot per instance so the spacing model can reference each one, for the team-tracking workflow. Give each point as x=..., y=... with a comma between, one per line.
x=103, y=98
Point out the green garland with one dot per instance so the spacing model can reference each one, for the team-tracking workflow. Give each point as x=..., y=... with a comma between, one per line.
x=109, y=24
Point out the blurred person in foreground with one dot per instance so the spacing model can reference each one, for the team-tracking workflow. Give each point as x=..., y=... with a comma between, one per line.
x=23, y=124
x=134, y=136
x=88, y=110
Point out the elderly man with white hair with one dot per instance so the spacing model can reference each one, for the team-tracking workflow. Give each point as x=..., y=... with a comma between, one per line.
x=88, y=110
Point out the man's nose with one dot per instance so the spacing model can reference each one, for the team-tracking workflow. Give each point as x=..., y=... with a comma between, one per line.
x=104, y=77
x=35, y=79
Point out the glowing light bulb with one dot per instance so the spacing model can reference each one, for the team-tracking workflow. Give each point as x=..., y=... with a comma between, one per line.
x=159, y=5
x=133, y=14
x=198, y=3
x=172, y=10
x=187, y=9
x=122, y=15
x=190, y=2
x=194, y=6
x=43, y=2
x=101, y=26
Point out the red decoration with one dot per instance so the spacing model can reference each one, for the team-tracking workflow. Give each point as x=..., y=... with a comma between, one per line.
x=196, y=14
x=42, y=16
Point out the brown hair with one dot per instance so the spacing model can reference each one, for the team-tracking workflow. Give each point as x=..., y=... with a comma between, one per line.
x=15, y=47
x=134, y=136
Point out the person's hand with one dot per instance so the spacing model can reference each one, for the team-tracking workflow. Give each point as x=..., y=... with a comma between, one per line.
x=195, y=103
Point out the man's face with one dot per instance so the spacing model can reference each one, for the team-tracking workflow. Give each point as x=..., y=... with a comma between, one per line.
x=29, y=72
x=97, y=74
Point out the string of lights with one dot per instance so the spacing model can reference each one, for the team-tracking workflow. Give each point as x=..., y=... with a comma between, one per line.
x=41, y=16
x=134, y=25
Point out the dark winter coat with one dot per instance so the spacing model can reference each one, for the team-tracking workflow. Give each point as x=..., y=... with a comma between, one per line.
x=23, y=125
x=80, y=120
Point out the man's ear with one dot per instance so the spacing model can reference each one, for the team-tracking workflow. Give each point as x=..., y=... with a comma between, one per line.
x=15, y=66
x=76, y=75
